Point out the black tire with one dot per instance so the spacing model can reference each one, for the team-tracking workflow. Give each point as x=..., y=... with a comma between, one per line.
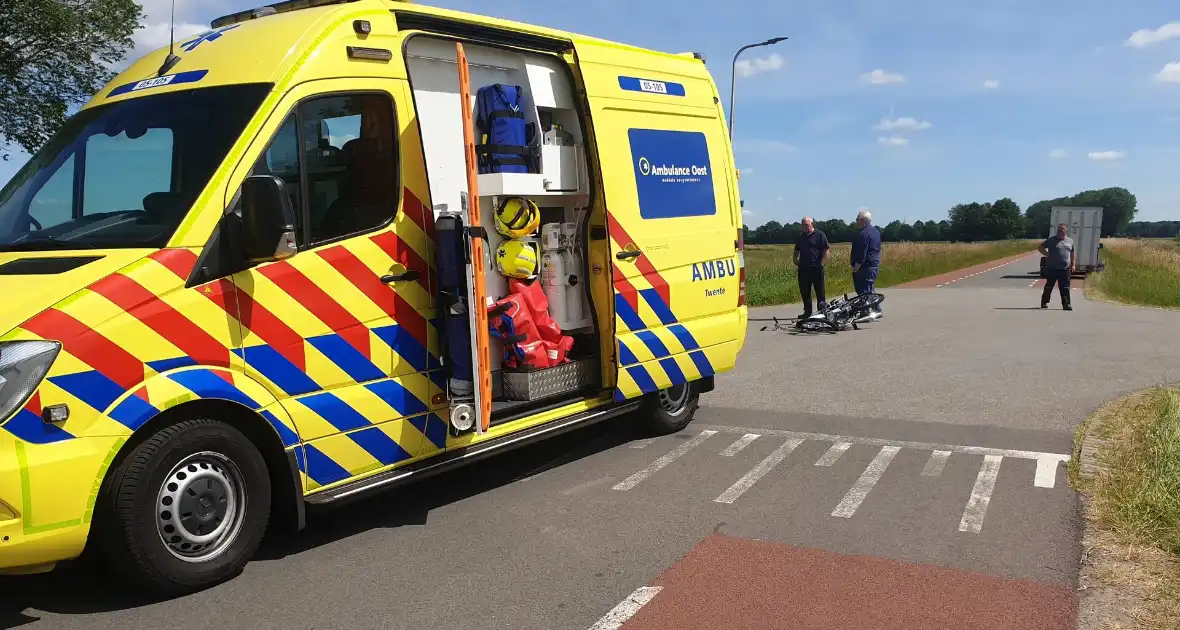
x=670, y=410
x=135, y=513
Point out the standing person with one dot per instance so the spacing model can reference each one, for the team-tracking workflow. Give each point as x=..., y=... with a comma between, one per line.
x=1059, y=265
x=866, y=256
x=811, y=252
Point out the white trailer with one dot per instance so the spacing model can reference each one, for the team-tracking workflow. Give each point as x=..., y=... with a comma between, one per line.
x=1085, y=228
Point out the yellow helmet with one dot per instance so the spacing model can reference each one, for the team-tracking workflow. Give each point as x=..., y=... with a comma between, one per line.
x=516, y=259
x=517, y=217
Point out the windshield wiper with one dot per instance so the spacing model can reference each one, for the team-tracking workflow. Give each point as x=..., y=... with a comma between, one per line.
x=43, y=244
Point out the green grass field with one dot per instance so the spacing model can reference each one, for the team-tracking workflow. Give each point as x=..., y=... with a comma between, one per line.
x=1135, y=504
x=771, y=277
x=1143, y=272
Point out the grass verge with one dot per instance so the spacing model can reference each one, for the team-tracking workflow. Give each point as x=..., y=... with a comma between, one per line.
x=1132, y=568
x=1142, y=272
x=771, y=277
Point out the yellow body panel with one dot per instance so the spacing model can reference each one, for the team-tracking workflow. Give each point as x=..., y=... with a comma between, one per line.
x=344, y=368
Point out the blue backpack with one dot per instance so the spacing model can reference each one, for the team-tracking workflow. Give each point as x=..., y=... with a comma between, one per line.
x=504, y=136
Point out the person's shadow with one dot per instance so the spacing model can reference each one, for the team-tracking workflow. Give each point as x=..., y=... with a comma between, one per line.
x=85, y=587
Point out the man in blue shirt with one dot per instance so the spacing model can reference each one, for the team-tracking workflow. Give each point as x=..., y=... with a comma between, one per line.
x=866, y=255
x=811, y=252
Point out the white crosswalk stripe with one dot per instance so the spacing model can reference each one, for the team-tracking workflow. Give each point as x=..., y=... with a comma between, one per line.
x=974, y=512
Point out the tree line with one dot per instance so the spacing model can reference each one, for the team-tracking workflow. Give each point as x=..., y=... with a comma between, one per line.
x=989, y=221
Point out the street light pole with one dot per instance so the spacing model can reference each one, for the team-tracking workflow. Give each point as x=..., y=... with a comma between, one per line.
x=733, y=74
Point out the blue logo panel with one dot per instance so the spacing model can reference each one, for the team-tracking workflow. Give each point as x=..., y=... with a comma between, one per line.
x=673, y=173
x=665, y=88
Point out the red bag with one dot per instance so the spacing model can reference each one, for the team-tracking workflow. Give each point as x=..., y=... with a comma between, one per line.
x=511, y=321
x=532, y=355
x=557, y=351
x=534, y=298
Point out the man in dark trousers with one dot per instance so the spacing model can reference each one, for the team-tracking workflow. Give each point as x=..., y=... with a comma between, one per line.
x=811, y=252
x=866, y=256
x=1059, y=265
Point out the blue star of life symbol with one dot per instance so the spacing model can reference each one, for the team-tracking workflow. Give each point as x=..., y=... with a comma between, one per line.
x=207, y=36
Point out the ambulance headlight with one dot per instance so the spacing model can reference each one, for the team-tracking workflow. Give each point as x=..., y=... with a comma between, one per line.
x=23, y=364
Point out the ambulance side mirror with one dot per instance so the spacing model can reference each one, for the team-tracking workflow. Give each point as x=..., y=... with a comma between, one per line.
x=268, y=219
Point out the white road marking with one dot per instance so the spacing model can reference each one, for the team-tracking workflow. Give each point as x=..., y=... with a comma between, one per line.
x=936, y=463
x=758, y=472
x=981, y=494
x=982, y=272
x=742, y=442
x=922, y=446
x=634, y=480
x=867, y=480
x=626, y=608
x=643, y=443
x=833, y=454
x=1047, y=470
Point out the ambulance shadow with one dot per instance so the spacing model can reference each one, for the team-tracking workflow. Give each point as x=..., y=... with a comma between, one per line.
x=413, y=503
x=83, y=588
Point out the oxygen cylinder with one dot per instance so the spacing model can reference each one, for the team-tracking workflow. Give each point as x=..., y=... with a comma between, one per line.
x=553, y=272
x=573, y=269
x=452, y=288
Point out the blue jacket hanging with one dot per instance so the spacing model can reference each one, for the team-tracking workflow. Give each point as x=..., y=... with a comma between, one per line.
x=504, y=135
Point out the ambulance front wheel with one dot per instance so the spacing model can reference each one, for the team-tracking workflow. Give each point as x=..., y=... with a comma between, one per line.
x=670, y=410
x=187, y=508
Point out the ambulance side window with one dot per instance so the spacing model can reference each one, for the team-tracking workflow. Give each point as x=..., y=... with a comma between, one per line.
x=338, y=156
x=349, y=145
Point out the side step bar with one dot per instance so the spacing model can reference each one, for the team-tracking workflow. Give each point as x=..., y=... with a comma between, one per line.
x=455, y=459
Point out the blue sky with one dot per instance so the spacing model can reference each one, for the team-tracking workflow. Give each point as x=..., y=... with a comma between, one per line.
x=905, y=107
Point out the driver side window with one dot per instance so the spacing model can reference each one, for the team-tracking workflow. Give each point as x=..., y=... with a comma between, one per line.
x=338, y=157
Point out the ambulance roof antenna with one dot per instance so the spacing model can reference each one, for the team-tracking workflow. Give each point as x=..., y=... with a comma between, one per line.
x=171, y=60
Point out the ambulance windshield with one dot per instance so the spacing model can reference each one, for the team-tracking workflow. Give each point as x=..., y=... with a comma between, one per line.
x=124, y=175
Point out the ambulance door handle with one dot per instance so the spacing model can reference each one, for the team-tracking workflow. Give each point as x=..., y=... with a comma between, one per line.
x=409, y=274
x=629, y=254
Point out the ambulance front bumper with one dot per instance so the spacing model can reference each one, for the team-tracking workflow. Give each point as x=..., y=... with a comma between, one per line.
x=47, y=496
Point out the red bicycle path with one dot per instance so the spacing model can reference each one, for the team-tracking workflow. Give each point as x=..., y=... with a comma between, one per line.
x=745, y=584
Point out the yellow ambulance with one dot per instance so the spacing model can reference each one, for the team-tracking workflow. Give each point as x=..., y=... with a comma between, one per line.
x=263, y=268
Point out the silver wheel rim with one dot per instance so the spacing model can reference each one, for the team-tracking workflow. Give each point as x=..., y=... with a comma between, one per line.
x=201, y=507
x=674, y=400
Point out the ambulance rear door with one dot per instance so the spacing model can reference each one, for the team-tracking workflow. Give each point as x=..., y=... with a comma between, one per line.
x=670, y=218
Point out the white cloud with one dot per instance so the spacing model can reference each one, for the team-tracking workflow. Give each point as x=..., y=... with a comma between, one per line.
x=1147, y=37
x=758, y=65
x=1058, y=154
x=1107, y=156
x=1170, y=73
x=893, y=141
x=991, y=84
x=746, y=171
x=779, y=199
x=902, y=125
x=881, y=77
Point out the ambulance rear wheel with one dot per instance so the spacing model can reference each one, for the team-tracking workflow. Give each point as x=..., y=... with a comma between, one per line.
x=187, y=508
x=670, y=410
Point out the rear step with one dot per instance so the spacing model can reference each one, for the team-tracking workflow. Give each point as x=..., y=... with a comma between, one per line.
x=460, y=457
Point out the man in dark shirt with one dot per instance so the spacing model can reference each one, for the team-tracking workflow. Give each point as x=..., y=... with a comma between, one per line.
x=866, y=255
x=1060, y=264
x=811, y=252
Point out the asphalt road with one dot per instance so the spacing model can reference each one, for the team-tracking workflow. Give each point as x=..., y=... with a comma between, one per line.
x=906, y=475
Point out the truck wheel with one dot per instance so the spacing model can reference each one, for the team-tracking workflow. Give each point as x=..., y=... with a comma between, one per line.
x=187, y=508
x=670, y=410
